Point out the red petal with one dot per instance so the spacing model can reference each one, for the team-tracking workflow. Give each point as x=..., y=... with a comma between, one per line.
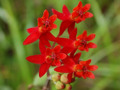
x=49, y=51
x=86, y=7
x=37, y=59
x=45, y=14
x=79, y=6
x=92, y=45
x=76, y=57
x=68, y=61
x=57, y=49
x=50, y=36
x=90, y=75
x=59, y=15
x=92, y=67
x=64, y=69
x=32, y=38
x=54, y=26
x=40, y=22
x=30, y=30
x=73, y=34
x=90, y=37
x=81, y=48
x=57, y=62
x=79, y=74
x=43, y=69
x=64, y=41
x=65, y=10
x=82, y=36
x=42, y=47
x=88, y=15
x=62, y=56
x=64, y=25
x=67, y=50
x=44, y=40
x=86, y=49
x=53, y=18
x=72, y=53
x=85, y=62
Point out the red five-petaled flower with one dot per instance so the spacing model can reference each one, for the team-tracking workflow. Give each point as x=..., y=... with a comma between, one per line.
x=80, y=70
x=52, y=57
x=82, y=43
x=68, y=19
x=80, y=13
x=42, y=31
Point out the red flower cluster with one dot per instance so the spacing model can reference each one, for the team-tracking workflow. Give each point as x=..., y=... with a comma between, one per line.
x=63, y=56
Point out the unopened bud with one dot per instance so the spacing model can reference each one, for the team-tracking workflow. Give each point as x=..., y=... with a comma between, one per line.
x=59, y=85
x=68, y=87
x=64, y=78
x=56, y=77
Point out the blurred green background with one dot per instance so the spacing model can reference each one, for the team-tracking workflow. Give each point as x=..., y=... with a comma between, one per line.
x=17, y=15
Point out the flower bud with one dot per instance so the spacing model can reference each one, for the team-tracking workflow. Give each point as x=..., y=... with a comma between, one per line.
x=59, y=85
x=56, y=77
x=64, y=78
x=68, y=87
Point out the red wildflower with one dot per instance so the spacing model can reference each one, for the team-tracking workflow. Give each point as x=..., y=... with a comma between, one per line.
x=80, y=43
x=80, y=70
x=68, y=19
x=42, y=31
x=80, y=12
x=52, y=57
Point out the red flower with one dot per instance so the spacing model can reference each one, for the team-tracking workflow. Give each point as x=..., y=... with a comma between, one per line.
x=80, y=13
x=52, y=57
x=80, y=43
x=42, y=31
x=68, y=19
x=80, y=70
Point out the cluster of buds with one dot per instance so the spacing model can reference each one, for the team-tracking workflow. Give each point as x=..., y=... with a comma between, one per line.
x=62, y=81
x=63, y=56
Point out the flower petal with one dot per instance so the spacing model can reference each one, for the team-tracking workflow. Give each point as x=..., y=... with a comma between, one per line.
x=45, y=14
x=83, y=35
x=64, y=41
x=68, y=61
x=79, y=74
x=62, y=56
x=88, y=15
x=32, y=38
x=91, y=45
x=73, y=34
x=30, y=30
x=42, y=47
x=77, y=57
x=67, y=50
x=65, y=10
x=64, y=69
x=64, y=25
x=49, y=51
x=45, y=41
x=85, y=62
x=56, y=63
x=79, y=6
x=90, y=37
x=57, y=49
x=53, y=18
x=37, y=59
x=59, y=15
x=43, y=69
x=86, y=7
x=50, y=36
x=92, y=67
x=90, y=75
